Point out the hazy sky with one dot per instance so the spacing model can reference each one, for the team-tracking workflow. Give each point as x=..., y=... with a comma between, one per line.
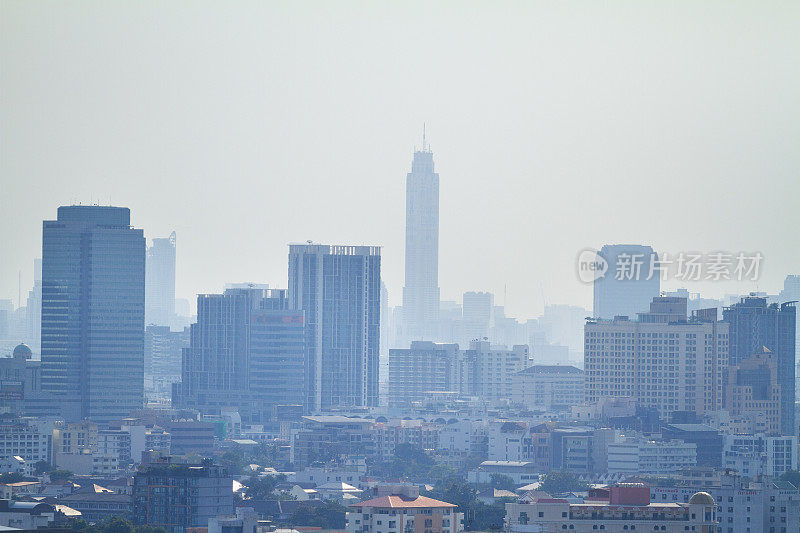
x=555, y=126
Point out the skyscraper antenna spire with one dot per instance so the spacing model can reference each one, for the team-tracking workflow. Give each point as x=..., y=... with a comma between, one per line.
x=423, y=138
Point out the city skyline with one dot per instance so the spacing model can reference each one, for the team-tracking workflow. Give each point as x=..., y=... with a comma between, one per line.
x=541, y=148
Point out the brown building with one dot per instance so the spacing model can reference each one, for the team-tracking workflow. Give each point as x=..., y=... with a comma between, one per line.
x=753, y=393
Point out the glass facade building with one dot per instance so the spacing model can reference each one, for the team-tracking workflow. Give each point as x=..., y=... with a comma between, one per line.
x=93, y=265
x=339, y=289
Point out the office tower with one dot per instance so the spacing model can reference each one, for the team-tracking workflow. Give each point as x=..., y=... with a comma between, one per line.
x=630, y=283
x=163, y=349
x=754, y=325
x=662, y=360
x=181, y=497
x=160, y=285
x=425, y=368
x=421, y=290
x=384, y=350
x=93, y=265
x=476, y=316
x=246, y=352
x=338, y=287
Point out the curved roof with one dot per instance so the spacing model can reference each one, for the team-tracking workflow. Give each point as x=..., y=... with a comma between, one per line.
x=22, y=350
x=702, y=498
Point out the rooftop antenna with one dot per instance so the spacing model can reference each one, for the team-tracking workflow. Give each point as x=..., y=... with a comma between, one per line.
x=423, y=138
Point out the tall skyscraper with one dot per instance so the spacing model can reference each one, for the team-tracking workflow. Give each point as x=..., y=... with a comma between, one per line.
x=246, y=352
x=476, y=316
x=33, y=309
x=421, y=290
x=160, y=282
x=630, y=283
x=93, y=265
x=339, y=288
x=754, y=325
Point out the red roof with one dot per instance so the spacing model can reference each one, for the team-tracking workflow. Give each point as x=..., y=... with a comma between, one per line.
x=397, y=501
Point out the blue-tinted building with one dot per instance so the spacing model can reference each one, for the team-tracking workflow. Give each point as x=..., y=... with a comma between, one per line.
x=755, y=325
x=246, y=351
x=339, y=289
x=93, y=265
x=630, y=283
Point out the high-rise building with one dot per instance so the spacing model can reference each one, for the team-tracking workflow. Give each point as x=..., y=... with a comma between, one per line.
x=33, y=309
x=163, y=349
x=421, y=290
x=424, y=368
x=662, y=360
x=488, y=371
x=338, y=287
x=93, y=265
x=246, y=352
x=476, y=316
x=160, y=282
x=630, y=283
x=754, y=325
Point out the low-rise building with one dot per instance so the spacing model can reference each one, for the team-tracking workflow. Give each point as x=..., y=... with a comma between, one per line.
x=403, y=510
x=522, y=472
x=29, y=438
x=617, y=509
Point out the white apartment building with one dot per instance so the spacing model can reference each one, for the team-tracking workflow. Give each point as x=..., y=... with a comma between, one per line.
x=548, y=387
x=662, y=360
x=488, y=371
x=754, y=455
x=28, y=438
x=638, y=455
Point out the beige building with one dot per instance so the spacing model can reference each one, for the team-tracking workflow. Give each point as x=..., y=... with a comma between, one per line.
x=662, y=360
x=400, y=509
x=618, y=509
x=753, y=393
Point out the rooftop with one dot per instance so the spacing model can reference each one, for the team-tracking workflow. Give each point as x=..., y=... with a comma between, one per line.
x=402, y=502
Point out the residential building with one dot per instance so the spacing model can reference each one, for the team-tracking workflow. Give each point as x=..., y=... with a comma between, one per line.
x=754, y=325
x=636, y=455
x=759, y=455
x=707, y=440
x=425, y=367
x=163, y=350
x=338, y=288
x=662, y=360
x=93, y=268
x=179, y=497
x=615, y=509
x=421, y=289
x=631, y=281
x=522, y=472
x=488, y=371
x=28, y=438
x=191, y=436
x=246, y=352
x=401, y=508
x=160, y=282
x=753, y=392
x=548, y=387
x=331, y=437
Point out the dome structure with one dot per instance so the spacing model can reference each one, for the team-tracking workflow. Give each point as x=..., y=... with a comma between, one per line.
x=702, y=498
x=22, y=350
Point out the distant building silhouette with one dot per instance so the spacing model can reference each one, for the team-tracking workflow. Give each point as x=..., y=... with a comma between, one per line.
x=160, y=282
x=421, y=290
x=754, y=325
x=476, y=316
x=93, y=265
x=338, y=287
x=629, y=284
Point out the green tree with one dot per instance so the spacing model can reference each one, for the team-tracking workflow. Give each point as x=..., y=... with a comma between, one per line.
x=149, y=529
x=262, y=488
x=329, y=515
x=557, y=482
x=500, y=481
x=59, y=475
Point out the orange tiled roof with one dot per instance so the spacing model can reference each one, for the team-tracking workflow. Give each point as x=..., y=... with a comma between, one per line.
x=396, y=501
